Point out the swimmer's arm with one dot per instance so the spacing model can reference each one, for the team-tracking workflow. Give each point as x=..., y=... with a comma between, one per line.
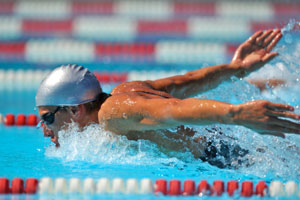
x=250, y=56
x=197, y=81
x=263, y=117
x=152, y=114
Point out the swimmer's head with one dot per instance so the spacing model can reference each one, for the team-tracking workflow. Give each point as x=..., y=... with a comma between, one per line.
x=69, y=93
x=68, y=85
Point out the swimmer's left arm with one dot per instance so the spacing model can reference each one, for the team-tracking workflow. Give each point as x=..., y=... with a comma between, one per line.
x=144, y=114
x=250, y=56
x=263, y=117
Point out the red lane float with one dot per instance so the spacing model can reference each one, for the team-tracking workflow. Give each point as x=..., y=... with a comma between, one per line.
x=178, y=27
x=92, y=7
x=31, y=186
x=42, y=26
x=161, y=186
x=218, y=187
x=247, y=189
x=291, y=9
x=21, y=120
x=12, y=48
x=17, y=186
x=174, y=188
x=204, y=188
x=32, y=120
x=7, y=7
x=256, y=26
x=9, y=120
x=189, y=187
x=261, y=188
x=104, y=77
x=129, y=50
x=194, y=8
x=232, y=186
x=4, y=186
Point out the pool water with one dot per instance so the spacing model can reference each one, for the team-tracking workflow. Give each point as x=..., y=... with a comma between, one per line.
x=96, y=153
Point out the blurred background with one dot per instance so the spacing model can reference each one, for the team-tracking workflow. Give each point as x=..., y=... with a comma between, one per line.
x=121, y=39
x=126, y=40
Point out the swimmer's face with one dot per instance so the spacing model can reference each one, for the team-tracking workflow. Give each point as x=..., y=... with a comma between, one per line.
x=61, y=117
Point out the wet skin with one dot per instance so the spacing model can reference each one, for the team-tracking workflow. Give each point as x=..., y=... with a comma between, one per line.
x=142, y=109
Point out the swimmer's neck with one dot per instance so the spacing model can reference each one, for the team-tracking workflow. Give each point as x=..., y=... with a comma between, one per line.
x=85, y=118
x=92, y=118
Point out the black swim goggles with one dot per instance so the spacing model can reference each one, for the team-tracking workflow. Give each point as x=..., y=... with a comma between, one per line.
x=49, y=117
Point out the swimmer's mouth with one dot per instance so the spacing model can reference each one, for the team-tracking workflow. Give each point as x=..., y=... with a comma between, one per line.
x=54, y=139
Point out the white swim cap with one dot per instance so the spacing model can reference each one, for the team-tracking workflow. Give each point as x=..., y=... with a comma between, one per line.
x=68, y=85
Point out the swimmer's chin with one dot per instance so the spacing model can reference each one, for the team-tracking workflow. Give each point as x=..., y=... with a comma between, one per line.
x=54, y=139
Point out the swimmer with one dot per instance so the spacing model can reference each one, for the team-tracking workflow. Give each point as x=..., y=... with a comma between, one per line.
x=150, y=109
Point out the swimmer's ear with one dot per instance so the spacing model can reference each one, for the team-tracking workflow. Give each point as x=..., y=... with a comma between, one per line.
x=73, y=110
x=78, y=112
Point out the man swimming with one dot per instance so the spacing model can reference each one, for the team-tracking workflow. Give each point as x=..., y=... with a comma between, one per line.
x=149, y=109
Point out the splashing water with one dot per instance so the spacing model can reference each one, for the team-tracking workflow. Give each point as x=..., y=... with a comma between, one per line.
x=95, y=145
x=291, y=26
x=268, y=156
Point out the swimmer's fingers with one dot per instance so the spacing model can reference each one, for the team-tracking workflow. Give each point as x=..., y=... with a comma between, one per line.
x=269, y=39
x=274, y=42
x=279, y=130
x=260, y=40
x=253, y=38
x=282, y=129
x=285, y=126
x=269, y=56
x=279, y=107
x=283, y=114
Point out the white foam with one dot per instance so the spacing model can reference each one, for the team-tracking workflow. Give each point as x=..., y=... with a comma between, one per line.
x=95, y=145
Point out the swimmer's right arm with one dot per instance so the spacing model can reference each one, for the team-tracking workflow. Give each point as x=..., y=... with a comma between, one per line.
x=261, y=116
x=250, y=56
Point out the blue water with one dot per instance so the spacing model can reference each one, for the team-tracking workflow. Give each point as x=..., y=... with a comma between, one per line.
x=96, y=153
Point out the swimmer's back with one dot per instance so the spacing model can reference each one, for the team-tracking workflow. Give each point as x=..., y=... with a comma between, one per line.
x=140, y=88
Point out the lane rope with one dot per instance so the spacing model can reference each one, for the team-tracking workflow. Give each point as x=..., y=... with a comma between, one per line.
x=23, y=80
x=218, y=188
x=19, y=119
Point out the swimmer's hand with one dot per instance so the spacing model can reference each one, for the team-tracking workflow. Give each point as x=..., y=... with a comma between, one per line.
x=266, y=117
x=255, y=52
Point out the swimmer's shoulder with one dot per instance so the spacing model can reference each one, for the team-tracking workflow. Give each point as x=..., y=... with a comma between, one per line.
x=119, y=112
x=131, y=86
x=140, y=88
x=117, y=104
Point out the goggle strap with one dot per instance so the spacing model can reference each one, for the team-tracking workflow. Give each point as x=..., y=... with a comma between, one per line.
x=40, y=124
